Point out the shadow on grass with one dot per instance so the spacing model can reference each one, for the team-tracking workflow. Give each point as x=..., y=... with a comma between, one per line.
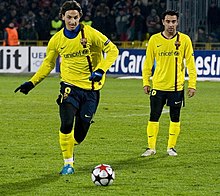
x=28, y=185
x=128, y=163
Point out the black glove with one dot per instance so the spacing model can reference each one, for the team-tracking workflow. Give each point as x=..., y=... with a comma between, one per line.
x=96, y=76
x=25, y=88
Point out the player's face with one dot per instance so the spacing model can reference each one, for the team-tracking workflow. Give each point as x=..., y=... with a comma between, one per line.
x=71, y=19
x=170, y=24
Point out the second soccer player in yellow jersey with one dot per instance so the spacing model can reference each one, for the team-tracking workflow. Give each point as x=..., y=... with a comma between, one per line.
x=170, y=51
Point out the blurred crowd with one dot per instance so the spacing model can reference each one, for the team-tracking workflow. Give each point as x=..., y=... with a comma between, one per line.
x=211, y=31
x=120, y=20
x=32, y=18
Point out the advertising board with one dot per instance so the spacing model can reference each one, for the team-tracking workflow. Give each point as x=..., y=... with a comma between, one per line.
x=130, y=62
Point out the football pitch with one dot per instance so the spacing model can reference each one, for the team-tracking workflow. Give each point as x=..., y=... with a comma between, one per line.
x=30, y=156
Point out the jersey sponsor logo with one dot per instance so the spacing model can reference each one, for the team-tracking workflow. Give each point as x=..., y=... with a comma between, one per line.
x=169, y=53
x=79, y=53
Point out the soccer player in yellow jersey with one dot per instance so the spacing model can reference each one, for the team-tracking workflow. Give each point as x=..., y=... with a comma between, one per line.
x=171, y=51
x=82, y=72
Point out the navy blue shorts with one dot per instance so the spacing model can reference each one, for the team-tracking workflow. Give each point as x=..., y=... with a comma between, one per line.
x=170, y=98
x=85, y=101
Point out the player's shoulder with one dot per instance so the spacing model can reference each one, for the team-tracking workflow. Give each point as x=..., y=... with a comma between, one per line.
x=55, y=39
x=184, y=36
x=92, y=32
x=57, y=35
x=156, y=36
x=88, y=28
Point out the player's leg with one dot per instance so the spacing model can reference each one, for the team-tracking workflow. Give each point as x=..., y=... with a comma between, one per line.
x=68, y=107
x=174, y=130
x=157, y=101
x=81, y=128
x=66, y=139
x=84, y=116
x=175, y=100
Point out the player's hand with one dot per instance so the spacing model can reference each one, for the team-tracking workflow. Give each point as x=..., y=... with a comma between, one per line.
x=25, y=88
x=96, y=76
x=147, y=90
x=191, y=92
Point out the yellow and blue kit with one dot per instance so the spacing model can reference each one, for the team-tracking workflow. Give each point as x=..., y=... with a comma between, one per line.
x=74, y=66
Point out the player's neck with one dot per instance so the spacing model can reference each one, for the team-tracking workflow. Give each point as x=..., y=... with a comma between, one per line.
x=71, y=34
x=169, y=35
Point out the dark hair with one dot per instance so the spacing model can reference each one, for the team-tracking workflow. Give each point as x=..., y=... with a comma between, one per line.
x=171, y=13
x=70, y=5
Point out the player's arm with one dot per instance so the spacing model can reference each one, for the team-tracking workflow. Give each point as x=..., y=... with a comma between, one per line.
x=191, y=92
x=111, y=50
x=48, y=64
x=46, y=67
x=147, y=67
x=190, y=64
x=147, y=89
x=107, y=47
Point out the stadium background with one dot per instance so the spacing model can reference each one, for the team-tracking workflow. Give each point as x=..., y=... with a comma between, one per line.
x=125, y=22
x=33, y=19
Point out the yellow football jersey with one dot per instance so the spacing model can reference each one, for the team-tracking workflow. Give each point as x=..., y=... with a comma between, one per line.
x=74, y=66
x=169, y=73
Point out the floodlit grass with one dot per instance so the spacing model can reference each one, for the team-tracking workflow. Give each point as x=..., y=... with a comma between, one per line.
x=30, y=157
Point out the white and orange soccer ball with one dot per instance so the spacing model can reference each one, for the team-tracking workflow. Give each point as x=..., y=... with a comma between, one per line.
x=103, y=175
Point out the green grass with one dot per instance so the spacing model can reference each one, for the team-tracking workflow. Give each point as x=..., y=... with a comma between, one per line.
x=30, y=157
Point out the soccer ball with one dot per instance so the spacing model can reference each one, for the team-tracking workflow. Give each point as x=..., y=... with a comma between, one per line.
x=103, y=175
